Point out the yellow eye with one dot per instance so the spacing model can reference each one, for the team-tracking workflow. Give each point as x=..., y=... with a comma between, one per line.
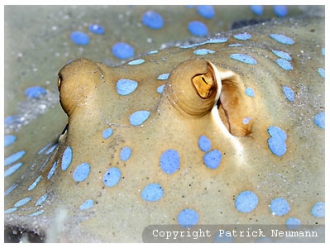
x=59, y=81
x=204, y=84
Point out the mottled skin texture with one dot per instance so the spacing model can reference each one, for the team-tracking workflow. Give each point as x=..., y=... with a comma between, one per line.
x=89, y=96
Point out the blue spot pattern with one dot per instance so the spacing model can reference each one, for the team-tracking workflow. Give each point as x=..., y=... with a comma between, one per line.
x=122, y=50
x=187, y=218
x=318, y=210
x=66, y=158
x=152, y=192
x=244, y=36
x=247, y=120
x=206, y=11
x=79, y=38
x=136, y=62
x=125, y=153
x=288, y=92
x=321, y=72
x=204, y=143
x=9, y=139
x=81, y=172
x=170, y=161
x=319, y=120
x=279, y=206
x=246, y=201
x=257, y=9
x=44, y=148
x=197, y=28
x=152, y=20
x=35, y=92
x=22, y=202
x=14, y=157
x=10, y=210
x=111, y=177
x=210, y=41
x=107, y=133
x=87, y=204
x=276, y=142
x=41, y=199
x=247, y=59
x=139, y=117
x=153, y=52
x=282, y=55
x=35, y=183
x=212, y=159
x=39, y=212
x=96, y=28
x=282, y=39
x=126, y=86
x=52, y=170
x=249, y=92
x=292, y=223
x=323, y=51
x=284, y=64
x=51, y=149
x=203, y=51
x=280, y=10
x=160, y=89
x=10, y=189
x=12, y=169
x=163, y=76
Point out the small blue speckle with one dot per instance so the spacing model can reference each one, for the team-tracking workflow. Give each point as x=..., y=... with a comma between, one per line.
x=10, y=189
x=136, y=62
x=282, y=55
x=280, y=10
x=79, y=38
x=66, y=158
x=246, y=201
x=37, y=213
x=249, y=92
x=35, y=183
x=187, y=218
x=160, y=89
x=247, y=120
x=244, y=58
x=319, y=120
x=107, y=133
x=111, y=177
x=14, y=157
x=152, y=20
x=126, y=86
x=10, y=210
x=197, y=28
x=152, y=192
x=212, y=159
x=81, y=172
x=257, y=9
x=288, y=92
x=125, y=153
x=321, y=72
x=122, y=50
x=282, y=39
x=170, y=161
x=9, y=139
x=96, y=28
x=276, y=142
x=35, y=92
x=41, y=199
x=51, y=149
x=279, y=206
x=323, y=51
x=163, y=76
x=318, y=210
x=153, y=52
x=206, y=11
x=87, y=204
x=203, y=51
x=284, y=64
x=204, y=143
x=244, y=36
x=22, y=202
x=12, y=169
x=292, y=223
x=139, y=117
x=52, y=170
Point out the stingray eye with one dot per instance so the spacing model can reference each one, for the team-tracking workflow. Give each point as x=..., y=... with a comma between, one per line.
x=205, y=84
x=59, y=81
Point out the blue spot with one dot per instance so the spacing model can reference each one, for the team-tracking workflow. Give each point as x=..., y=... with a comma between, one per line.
x=247, y=120
x=204, y=143
x=126, y=86
x=323, y=51
x=206, y=11
x=215, y=41
x=152, y=20
x=257, y=9
x=284, y=64
x=136, y=62
x=235, y=45
x=152, y=192
x=163, y=76
x=276, y=142
x=12, y=169
x=52, y=170
x=111, y=177
x=42, y=199
x=10, y=210
x=51, y=149
x=125, y=153
x=318, y=210
x=212, y=159
x=96, y=28
x=22, y=202
x=282, y=55
x=319, y=120
x=197, y=28
x=282, y=39
x=277, y=132
x=10, y=119
x=280, y=10
x=160, y=89
x=203, y=51
x=321, y=72
x=35, y=92
x=10, y=189
x=9, y=139
x=81, y=172
x=170, y=161
x=279, y=206
x=37, y=213
x=44, y=148
x=249, y=92
x=139, y=117
x=246, y=201
x=14, y=157
x=153, y=52
x=66, y=158
x=288, y=92
x=122, y=50
x=292, y=223
x=244, y=36
x=35, y=183
x=87, y=204
x=79, y=38
x=107, y=133
x=244, y=58
x=188, y=218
